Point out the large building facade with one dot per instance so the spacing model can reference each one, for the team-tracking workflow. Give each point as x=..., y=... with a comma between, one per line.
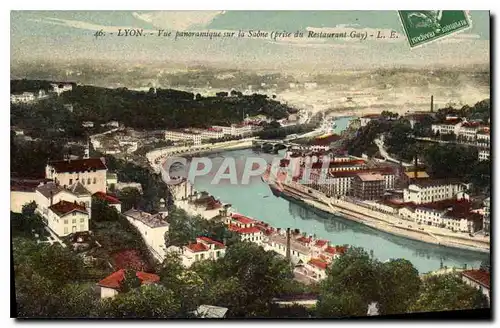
x=90, y=172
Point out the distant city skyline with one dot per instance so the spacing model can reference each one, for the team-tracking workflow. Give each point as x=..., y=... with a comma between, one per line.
x=68, y=36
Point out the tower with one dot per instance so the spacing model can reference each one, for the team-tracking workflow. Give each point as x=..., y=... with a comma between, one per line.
x=86, y=152
x=432, y=103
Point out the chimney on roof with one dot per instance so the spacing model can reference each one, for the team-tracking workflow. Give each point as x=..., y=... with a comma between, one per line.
x=432, y=103
x=51, y=197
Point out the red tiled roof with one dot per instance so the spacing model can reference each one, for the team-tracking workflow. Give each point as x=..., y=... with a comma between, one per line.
x=78, y=165
x=305, y=240
x=352, y=173
x=244, y=231
x=243, y=219
x=64, y=207
x=319, y=263
x=335, y=250
x=107, y=198
x=321, y=242
x=197, y=247
x=211, y=241
x=480, y=276
x=114, y=279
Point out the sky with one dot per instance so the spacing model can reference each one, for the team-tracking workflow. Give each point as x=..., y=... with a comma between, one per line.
x=69, y=35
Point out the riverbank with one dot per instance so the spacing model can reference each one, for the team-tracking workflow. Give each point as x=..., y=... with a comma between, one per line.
x=158, y=156
x=382, y=222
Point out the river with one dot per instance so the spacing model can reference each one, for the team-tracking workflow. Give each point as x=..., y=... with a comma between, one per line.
x=257, y=201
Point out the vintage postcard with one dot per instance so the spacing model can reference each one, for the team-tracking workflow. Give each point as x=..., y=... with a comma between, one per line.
x=250, y=164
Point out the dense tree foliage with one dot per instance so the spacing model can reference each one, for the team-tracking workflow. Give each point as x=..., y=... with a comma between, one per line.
x=445, y=293
x=450, y=161
x=184, y=229
x=153, y=187
x=355, y=280
x=273, y=132
x=363, y=142
x=167, y=108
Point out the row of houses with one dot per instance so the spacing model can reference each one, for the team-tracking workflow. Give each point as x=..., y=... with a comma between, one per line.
x=197, y=136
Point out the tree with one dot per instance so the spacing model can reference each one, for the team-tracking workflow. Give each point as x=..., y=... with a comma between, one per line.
x=28, y=209
x=130, y=198
x=149, y=301
x=400, y=285
x=352, y=282
x=101, y=211
x=130, y=281
x=447, y=293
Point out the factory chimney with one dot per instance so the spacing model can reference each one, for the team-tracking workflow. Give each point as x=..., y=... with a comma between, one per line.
x=416, y=167
x=432, y=103
x=288, y=244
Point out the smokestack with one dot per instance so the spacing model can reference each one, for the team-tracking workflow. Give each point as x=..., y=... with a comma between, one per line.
x=288, y=244
x=432, y=103
x=51, y=197
x=416, y=167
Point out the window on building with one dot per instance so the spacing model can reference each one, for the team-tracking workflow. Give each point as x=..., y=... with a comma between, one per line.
x=65, y=230
x=202, y=256
x=95, y=180
x=70, y=181
x=83, y=181
x=82, y=227
x=88, y=181
x=74, y=213
x=65, y=221
x=82, y=220
x=74, y=220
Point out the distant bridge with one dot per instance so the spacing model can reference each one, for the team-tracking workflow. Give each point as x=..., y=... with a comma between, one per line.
x=262, y=143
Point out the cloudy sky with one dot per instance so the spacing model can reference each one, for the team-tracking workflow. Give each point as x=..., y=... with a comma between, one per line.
x=68, y=35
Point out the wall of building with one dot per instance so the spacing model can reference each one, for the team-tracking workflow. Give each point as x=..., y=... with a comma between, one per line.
x=63, y=226
x=108, y=292
x=20, y=198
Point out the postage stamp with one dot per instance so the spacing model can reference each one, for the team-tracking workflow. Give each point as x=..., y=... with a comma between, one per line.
x=424, y=26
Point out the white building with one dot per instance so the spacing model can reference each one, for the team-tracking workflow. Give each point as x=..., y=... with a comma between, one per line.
x=61, y=87
x=450, y=126
x=203, y=249
x=90, y=172
x=427, y=191
x=111, y=179
x=22, y=192
x=483, y=138
x=236, y=129
x=48, y=194
x=316, y=268
x=111, y=285
x=66, y=217
x=484, y=154
x=88, y=124
x=478, y=279
x=300, y=253
x=245, y=228
x=24, y=98
x=184, y=135
x=152, y=228
x=486, y=220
